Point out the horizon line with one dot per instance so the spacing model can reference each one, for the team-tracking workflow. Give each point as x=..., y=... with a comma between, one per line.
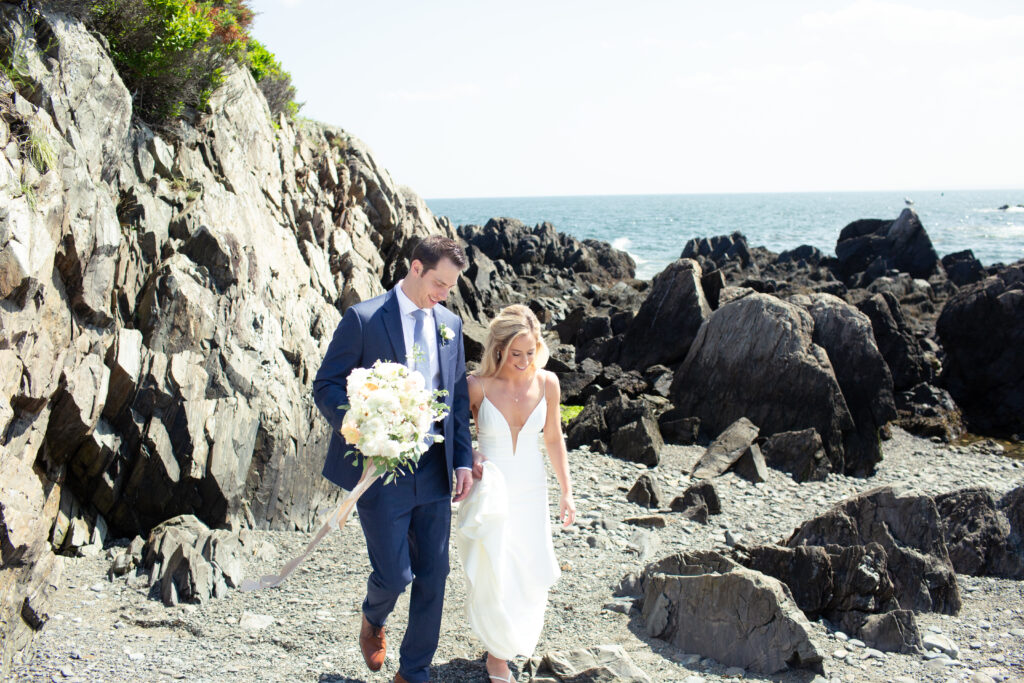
x=905, y=192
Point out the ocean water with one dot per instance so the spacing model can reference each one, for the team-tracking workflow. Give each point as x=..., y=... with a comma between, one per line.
x=654, y=228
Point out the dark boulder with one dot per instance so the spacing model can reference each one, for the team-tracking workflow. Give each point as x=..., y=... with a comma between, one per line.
x=532, y=251
x=870, y=248
x=588, y=428
x=908, y=527
x=756, y=358
x=804, y=253
x=677, y=427
x=806, y=570
x=668, y=320
x=714, y=607
x=962, y=268
x=697, y=502
x=645, y=492
x=573, y=382
x=800, y=453
x=726, y=449
x=659, y=379
x=712, y=283
x=751, y=465
x=982, y=331
x=849, y=586
x=981, y=539
x=639, y=441
x=896, y=341
x=728, y=252
x=846, y=335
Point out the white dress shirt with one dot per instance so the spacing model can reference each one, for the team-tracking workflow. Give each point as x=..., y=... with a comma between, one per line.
x=406, y=308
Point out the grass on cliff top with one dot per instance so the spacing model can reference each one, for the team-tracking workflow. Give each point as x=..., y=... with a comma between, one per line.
x=171, y=54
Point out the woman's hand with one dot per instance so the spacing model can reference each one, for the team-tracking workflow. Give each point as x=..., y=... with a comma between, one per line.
x=567, y=509
x=478, y=464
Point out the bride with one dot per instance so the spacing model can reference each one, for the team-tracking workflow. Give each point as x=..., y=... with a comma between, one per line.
x=504, y=532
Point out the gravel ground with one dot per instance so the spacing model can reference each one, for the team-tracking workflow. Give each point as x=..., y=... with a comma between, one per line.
x=306, y=630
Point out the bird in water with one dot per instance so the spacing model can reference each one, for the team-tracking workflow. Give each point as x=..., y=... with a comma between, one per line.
x=908, y=201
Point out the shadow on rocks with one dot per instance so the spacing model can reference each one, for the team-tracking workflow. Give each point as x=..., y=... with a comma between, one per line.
x=460, y=669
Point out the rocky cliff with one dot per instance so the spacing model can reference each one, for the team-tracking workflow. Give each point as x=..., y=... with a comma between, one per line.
x=166, y=300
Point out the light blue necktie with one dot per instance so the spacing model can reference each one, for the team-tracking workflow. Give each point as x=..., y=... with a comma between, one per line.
x=421, y=352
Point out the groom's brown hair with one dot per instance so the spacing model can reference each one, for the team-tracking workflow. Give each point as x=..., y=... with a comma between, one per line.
x=433, y=248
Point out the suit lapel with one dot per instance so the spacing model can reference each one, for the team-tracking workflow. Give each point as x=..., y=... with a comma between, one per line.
x=445, y=351
x=393, y=324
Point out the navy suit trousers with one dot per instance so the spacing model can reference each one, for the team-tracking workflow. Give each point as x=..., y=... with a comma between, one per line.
x=407, y=524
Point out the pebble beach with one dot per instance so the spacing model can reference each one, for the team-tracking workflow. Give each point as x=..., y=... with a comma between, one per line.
x=305, y=630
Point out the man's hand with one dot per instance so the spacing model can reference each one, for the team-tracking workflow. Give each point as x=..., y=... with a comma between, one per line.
x=463, y=483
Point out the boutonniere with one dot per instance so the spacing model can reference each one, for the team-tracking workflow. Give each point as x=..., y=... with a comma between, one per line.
x=445, y=333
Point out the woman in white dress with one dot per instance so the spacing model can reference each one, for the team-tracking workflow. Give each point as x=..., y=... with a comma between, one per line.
x=504, y=529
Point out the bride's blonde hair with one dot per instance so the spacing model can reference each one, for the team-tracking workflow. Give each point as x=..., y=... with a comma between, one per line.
x=510, y=324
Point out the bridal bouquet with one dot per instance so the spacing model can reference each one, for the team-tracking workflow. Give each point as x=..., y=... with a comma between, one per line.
x=388, y=421
x=389, y=414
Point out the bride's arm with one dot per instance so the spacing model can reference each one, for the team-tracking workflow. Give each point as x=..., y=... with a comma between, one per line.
x=476, y=396
x=555, y=443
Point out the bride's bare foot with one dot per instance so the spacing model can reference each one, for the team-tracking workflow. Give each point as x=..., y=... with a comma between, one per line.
x=497, y=670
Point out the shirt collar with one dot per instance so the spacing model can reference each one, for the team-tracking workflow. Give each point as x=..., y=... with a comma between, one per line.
x=406, y=305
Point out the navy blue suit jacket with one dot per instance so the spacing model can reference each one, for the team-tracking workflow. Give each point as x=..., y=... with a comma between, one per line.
x=372, y=330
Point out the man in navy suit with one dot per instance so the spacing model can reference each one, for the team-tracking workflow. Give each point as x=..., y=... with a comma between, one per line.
x=406, y=523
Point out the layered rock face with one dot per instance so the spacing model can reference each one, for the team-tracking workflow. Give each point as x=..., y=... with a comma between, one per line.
x=167, y=298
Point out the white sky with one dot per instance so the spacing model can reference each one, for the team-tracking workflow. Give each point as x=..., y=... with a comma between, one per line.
x=579, y=97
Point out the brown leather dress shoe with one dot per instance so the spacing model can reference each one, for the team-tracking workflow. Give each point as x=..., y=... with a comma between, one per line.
x=373, y=644
x=399, y=679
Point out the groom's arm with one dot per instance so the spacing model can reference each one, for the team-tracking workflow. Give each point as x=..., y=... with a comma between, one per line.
x=343, y=354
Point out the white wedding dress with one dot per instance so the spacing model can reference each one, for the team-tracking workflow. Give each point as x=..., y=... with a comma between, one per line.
x=504, y=536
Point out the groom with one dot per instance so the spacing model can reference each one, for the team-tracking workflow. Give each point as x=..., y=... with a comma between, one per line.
x=406, y=523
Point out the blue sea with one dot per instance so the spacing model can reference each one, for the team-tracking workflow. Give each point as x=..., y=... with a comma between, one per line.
x=654, y=228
